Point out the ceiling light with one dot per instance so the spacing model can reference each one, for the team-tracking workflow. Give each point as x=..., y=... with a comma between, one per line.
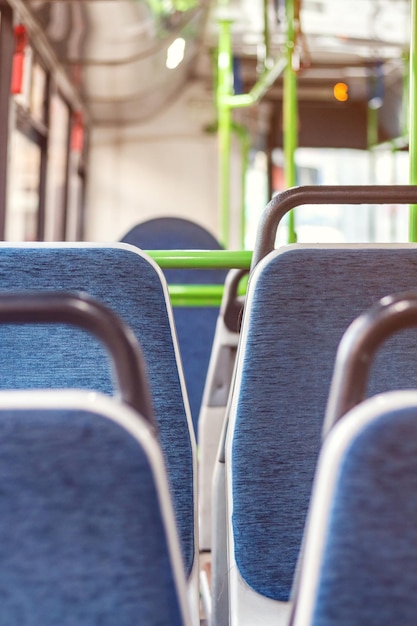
x=175, y=53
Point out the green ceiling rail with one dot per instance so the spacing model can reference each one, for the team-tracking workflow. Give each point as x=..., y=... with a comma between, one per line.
x=264, y=83
x=413, y=118
x=202, y=259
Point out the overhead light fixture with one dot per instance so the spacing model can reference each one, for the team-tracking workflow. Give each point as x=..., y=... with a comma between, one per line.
x=175, y=53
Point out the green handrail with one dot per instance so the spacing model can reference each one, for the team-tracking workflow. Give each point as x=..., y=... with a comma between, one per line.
x=202, y=259
x=201, y=295
x=195, y=295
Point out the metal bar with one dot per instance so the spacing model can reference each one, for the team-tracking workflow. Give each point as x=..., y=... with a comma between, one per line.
x=267, y=38
x=196, y=291
x=405, y=98
x=224, y=89
x=201, y=259
x=244, y=137
x=84, y=312
x=413, y=118
x=6, y=59
x=43, y=143
x=372, y=127
x=196, y=295
x=266, y=81
x=372, y=140
x=290, y=114
x=358, y=348
x=200, y=295
x=286, y=200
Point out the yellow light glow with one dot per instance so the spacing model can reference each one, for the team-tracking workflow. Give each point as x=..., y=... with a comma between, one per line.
x=341, y=92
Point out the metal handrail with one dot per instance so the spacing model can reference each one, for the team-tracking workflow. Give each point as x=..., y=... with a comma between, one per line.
x=84, y=312
x=357, y=349
x=286, y=200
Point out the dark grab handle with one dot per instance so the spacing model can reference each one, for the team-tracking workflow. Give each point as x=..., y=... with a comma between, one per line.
x=81, y=310
x=232, y=304
x=286, y=200
x=357, y=349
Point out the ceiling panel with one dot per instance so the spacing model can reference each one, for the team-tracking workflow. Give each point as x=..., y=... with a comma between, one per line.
x=115, y=51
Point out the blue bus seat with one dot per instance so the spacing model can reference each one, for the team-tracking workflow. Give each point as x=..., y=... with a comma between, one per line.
x=359, y=565
x=300, y=300
x=129, y=283
x=87, y=530
x=195, y=326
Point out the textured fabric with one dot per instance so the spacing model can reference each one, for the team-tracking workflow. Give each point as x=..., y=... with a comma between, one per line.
x=369, y=571
x=195, y=326
x=81, y=535
x=303, y=301
x=58, y=356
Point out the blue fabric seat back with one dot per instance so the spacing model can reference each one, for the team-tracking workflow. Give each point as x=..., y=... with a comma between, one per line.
x=300, y=302
x=195, y=326
x=82, y=538
x=63, y=357
x=367, y=571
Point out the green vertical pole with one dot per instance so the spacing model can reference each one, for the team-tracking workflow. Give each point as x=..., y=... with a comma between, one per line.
x=244, y=138
x=245, y=167
x=413, y=119
x=224, y=88
x=290, y=114
x=267, y=40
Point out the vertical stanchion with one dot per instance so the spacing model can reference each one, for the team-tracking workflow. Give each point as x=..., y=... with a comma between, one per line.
x=290, y=113
x=372, y=141
x=413, y=118
x=244, y=137
x=224, y=88
x=6, y=60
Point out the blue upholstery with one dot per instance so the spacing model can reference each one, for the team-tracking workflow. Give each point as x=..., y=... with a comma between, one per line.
x=129, y=285
x=368, y=573
x=195, y=326
x=298, y=308
x=82, y=539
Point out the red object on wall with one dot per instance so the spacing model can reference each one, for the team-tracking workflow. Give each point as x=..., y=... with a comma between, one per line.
x=77, y=132
x=21, y=40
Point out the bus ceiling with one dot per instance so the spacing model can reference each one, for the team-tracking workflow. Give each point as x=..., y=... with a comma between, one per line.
x=128, y=59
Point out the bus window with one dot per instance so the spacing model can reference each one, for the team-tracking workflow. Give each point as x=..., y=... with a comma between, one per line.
x=23, y=206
